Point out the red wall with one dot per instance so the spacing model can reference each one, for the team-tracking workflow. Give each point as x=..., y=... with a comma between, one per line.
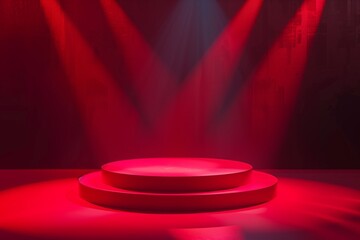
x=274, y=83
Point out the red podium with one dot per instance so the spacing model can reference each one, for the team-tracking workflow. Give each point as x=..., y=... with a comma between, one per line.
x=177, y=185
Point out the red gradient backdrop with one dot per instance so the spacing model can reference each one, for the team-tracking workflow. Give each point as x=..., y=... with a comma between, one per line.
x=272, y=83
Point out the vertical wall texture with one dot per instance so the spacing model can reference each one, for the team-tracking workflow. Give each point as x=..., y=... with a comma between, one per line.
x=83, y=82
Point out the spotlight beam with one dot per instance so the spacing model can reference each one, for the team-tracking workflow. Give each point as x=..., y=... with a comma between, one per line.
x=146, y=70
x=103, y=107
x=269, y=96
x=206, y=84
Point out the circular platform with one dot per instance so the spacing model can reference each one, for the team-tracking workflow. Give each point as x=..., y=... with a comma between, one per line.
x=259, y=188
x=176, y=174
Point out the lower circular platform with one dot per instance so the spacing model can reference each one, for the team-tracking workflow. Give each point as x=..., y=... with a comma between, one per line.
x=259, y=188
x=176, y=174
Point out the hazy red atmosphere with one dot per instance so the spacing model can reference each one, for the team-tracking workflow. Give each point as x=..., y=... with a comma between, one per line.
x=180, y=119
x=274, y=83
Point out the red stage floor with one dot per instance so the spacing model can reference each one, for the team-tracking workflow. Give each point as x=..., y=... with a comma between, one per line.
x=310, y=204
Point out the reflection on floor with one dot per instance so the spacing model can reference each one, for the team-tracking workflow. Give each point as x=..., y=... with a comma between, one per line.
x=310, y=204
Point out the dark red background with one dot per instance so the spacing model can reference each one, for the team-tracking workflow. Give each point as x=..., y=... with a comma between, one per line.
x=41, y=125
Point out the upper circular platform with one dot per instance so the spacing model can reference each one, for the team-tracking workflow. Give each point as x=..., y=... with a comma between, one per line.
x=176, y=174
